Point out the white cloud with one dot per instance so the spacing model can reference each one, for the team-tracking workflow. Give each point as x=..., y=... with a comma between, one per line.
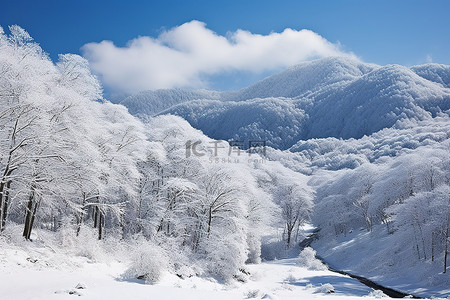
x=186, y=55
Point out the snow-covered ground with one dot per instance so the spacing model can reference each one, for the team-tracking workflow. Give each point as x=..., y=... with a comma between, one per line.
x=32, y=277
x=37, y=272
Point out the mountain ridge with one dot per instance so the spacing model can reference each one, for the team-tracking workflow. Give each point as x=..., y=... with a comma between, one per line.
x=331, y=97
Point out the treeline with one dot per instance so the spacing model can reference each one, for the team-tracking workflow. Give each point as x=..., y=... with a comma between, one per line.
x=69, y=158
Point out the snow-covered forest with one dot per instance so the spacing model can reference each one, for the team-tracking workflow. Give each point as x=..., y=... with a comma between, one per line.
x=358, y=151
x=75, y=164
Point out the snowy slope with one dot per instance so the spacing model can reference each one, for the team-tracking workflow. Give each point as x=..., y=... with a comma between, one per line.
x=434, y=72
x=385, y=260
x=153, y=102
x=333, y=97
x=276, y=120
x=374, y=101
x=335, y=154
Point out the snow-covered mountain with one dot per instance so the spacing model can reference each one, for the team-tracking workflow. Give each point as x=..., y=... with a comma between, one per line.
x=83, y=181
x=331, y=97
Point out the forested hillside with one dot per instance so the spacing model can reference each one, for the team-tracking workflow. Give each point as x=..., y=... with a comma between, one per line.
x=82, y=168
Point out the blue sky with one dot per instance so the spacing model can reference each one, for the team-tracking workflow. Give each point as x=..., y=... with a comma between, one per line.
x=395, y=31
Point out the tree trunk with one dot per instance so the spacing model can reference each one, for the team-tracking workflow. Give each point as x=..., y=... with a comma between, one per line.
x=4, y=198
x=29, y=216
x=209, y=220
x=288, y=242
x=432, y=246
x=5, y=182
x=33, y=215
x=95, y=216
x=289, y=228
x=80, y=216
x=446, y=245
x=415, y=239
x=100, y=225
x=4, y=205
x=423, y=241
x=1, y=206
x=55, y=224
